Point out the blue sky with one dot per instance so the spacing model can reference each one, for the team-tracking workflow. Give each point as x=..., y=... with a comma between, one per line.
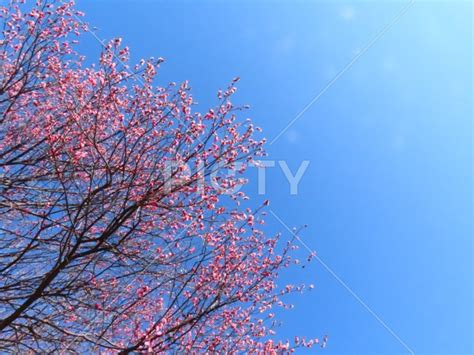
x=388, y=193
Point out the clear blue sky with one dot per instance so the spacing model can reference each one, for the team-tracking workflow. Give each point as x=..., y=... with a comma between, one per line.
x=388, y=193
